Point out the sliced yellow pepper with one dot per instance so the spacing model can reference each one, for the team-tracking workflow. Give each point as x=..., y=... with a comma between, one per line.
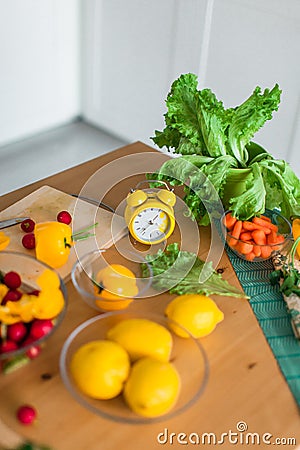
x=23, y=307
x=7, y=317
x=3, y=291
x=53, y=243
x=48, y=279
x=4, y=240
x=47, y=305
x=296, y=233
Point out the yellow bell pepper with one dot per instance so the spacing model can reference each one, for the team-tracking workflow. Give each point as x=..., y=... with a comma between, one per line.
x=4, y=240
x=53, y=243
x=117, y=280
x=296, y=233
x=115, y=285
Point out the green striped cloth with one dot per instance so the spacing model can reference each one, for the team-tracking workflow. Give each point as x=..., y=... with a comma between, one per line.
x=272, y=314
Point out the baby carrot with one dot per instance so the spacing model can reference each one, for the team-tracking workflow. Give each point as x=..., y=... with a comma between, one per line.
x=250, y=256
x=235, y=233
x=245, y=236
x=250, y=226
x=257, y=250
x=272, y=237
x=259, y=237
x=245, y=248
x=279, y=240
x=265, y=251
x=266, y=218
x=229, y=221
x=265, y=224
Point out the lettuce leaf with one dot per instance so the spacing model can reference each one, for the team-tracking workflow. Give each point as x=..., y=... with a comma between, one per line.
x=252, y=201
x=280, y=179
x=169, y=138
x=248, y=118
x=203, y=177
x=170, y=273
x=197, y=116
x=182, y=104
x=197, y=122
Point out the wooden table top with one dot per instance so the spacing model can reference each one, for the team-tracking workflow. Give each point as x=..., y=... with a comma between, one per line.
x=245, y=383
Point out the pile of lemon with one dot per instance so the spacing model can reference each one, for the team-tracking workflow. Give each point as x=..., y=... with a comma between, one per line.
x=134, y=357
x=132, y=360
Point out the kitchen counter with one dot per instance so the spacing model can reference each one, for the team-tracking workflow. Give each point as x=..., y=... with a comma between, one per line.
x=246, y=396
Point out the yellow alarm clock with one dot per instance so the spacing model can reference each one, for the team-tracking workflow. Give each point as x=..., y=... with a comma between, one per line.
x=149, y=213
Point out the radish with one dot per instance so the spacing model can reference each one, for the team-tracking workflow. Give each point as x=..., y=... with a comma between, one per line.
x=8, y=346
x=32, y=351
x=12, y=295
x=28, y=241
x=40, y=327
x=64, y=217
x=28, y=225
x=12, y=280
x=16, y=332
x=26, y=414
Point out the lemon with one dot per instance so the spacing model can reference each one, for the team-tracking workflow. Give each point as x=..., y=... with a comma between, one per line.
x=116, y=287
x=152, y=388
x=198, y=314
x=99, y=369
x=142, y=337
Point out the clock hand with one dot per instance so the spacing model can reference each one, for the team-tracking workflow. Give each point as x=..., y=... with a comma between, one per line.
x=151, y=221
x=155, y=217
x=151, y=224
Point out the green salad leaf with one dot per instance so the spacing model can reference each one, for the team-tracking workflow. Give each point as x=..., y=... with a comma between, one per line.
x=203, y=177
x=248, y=118
x=253, y=199
x=280, y=178
x=170, y=273
x=206, y=127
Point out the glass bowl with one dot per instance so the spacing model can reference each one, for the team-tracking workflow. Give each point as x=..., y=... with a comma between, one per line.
x=251, y=251
x=187, y=356
x=22, y=341
x=115, y=290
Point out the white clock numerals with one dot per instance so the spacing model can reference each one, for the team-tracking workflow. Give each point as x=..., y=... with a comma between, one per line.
x=151, y=224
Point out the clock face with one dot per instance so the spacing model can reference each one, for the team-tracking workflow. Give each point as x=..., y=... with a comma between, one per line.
x=151, y=224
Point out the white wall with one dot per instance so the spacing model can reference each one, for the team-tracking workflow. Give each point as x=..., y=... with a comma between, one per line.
x=39, y=66
x=134, y=49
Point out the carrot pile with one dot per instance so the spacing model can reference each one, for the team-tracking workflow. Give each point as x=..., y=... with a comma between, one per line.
x=252, y=238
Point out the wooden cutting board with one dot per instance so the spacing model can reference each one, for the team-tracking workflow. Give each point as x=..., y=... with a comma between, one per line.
x=45, y=203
